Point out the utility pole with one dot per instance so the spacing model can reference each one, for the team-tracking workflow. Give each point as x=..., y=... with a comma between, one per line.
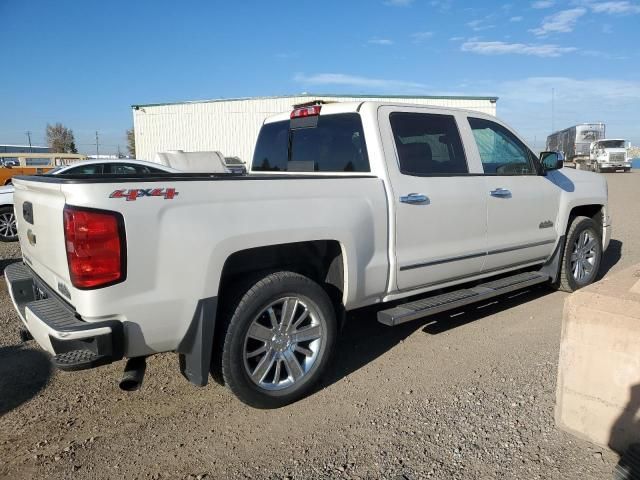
x=119, y=152
x=97, y=146
x=553, y=94
x=29, y=138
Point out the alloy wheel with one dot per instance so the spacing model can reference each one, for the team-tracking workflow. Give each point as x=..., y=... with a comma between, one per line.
x=583, y=256
x=283, y=343
x=8, y=228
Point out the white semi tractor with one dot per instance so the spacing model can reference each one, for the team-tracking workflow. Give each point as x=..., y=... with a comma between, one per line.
x=587, y=148
x=609, y=155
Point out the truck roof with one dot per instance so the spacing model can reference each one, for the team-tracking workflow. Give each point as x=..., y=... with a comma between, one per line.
x=331, y=108
x=312, y=95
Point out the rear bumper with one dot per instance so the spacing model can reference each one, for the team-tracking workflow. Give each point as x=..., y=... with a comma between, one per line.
x=55, y=325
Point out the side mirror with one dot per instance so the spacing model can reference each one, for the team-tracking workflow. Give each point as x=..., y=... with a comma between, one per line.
x=551, y=161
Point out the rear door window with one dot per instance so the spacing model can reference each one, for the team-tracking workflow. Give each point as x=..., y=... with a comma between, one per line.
x=428, y=144
x=130, y=169
x=335, y=144
x=91, y=169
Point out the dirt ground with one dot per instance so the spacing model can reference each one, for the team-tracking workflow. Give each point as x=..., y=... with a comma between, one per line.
x=469, y=395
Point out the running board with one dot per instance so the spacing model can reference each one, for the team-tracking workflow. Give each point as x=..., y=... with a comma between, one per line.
x=458, y=298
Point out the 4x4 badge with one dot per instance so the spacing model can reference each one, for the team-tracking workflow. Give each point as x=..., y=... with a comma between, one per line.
x=135, y=193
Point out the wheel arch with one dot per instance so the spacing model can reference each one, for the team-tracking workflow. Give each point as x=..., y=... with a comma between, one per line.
x=594, y=211
x=324, y=261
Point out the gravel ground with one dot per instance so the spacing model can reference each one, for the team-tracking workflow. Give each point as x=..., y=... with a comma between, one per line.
x=469, y=395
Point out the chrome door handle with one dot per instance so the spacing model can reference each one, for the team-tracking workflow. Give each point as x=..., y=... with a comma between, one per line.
x=500, y=193
x=414, y=198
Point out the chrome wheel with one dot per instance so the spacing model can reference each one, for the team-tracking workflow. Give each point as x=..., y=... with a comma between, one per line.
x=584, y=256
x=283, y=343
x=8, y=227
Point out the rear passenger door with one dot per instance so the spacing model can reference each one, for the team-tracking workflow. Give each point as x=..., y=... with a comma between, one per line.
x=522, y=205
x=439, y=204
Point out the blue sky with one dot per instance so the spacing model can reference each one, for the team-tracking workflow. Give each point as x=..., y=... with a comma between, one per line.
x=83, y=63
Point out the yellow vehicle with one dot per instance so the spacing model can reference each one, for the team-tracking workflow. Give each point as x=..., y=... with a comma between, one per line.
x=13, y=163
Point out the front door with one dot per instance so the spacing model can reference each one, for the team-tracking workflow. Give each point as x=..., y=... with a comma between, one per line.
x=522, y=205
x=439, y=207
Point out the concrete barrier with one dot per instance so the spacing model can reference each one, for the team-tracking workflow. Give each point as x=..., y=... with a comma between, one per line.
x=598, y=391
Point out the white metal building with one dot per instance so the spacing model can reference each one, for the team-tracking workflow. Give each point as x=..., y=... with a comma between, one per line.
x=231, y=125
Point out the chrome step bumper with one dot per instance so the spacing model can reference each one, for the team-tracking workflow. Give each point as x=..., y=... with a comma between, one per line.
x=57, y=328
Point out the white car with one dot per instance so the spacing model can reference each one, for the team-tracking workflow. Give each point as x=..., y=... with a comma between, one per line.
x=8, y=230
x=346, y=205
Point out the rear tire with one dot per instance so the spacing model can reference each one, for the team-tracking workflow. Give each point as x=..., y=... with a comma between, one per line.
x=279, y=338
x=8, y=228
x=582, y=255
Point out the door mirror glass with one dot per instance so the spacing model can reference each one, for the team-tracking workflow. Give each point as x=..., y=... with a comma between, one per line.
x=551, y=161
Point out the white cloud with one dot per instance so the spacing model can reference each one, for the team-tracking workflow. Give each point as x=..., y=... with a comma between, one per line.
x=380, y=41
x=456, y=39
x=359, y=82
x=442, y=5
x=398, y=3
x=543, y=4
x=504, y=48
x=573, y=90
x=479, y=25
x=601, y=54
x=615, y=8
x=516, y=19
x=561, y=22
x=525, y=103
x=420, y=37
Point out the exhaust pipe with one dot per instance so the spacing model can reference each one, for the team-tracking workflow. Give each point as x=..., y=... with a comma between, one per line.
x=133, y=374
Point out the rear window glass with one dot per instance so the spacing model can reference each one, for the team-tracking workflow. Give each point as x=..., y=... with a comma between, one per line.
x=428, y=144
x=335, y=144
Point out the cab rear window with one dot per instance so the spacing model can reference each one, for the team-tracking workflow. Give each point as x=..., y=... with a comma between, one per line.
x=335, y=144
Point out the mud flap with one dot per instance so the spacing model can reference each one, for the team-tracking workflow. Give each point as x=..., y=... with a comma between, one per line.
x=196, y=347
x=552, y=266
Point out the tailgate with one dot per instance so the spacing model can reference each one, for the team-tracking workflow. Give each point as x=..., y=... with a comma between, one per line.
x=39, y=209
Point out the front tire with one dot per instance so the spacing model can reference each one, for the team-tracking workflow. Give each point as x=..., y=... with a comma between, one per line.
x=582, y=255
x=279, y=338
x=8, y=228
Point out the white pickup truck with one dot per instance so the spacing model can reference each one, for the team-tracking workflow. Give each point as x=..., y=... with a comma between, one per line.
x=418, y=209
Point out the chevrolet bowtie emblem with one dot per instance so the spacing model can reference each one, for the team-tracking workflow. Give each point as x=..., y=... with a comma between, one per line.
x=546, y=224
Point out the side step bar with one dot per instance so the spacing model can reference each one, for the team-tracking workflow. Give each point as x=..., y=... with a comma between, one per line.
x=458, y=298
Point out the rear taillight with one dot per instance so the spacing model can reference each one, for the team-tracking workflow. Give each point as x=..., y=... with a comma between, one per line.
x=95, y=245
